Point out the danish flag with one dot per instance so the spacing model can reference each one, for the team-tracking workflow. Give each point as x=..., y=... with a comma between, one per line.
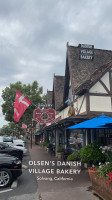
x=21, y=104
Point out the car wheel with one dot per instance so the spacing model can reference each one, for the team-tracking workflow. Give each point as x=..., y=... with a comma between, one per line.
x=5, y=177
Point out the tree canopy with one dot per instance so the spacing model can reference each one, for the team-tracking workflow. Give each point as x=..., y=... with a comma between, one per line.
x=32, y=91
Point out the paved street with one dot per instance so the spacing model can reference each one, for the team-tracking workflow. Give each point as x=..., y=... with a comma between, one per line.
x=26, y=188
x=78, y=188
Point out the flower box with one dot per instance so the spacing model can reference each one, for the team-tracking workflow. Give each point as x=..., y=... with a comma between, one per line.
x=100, y=187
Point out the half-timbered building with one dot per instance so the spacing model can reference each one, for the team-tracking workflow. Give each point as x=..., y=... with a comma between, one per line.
x=88, y=85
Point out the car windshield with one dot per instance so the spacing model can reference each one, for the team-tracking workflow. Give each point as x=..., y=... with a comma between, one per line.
x=7, y=139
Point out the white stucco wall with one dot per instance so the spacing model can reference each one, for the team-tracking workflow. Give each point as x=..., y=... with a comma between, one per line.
x=63, y=113
x=98, y=103
x=79, y=102
x=105, y=80
x=98, y=88
x=83, y=109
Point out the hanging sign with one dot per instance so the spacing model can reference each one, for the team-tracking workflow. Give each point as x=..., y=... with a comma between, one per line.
x=44, y=115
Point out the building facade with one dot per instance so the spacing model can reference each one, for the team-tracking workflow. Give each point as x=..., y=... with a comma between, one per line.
x=87, y=87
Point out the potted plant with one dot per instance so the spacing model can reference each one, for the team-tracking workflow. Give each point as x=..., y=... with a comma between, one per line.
x=75, y=160
x=92, y=154
x=44, y=145
x=60, y=151
x=101, y=178
x=48, y=145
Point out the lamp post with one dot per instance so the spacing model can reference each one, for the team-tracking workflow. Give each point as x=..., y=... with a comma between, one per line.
x=31, y=131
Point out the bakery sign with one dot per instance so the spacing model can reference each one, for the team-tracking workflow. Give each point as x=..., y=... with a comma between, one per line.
x=86, y=52
x=44, y=115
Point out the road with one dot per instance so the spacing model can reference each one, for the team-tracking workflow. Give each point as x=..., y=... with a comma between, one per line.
x=26, y=188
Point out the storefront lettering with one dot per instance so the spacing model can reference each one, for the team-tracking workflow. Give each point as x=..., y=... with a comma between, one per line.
x=86, y=51
x=86, y=57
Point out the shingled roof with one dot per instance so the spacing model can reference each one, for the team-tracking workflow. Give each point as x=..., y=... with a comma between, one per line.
x=93, y=78
x=49, y=97
x=80, y=71
x=58, y=91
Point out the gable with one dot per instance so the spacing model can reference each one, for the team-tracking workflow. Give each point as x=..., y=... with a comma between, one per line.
x=81, y=70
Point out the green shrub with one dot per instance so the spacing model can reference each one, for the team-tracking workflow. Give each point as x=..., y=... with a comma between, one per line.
x=92, y=154
x=48, y=144
x=108, y=156
x=75, y=156
x=59, y=149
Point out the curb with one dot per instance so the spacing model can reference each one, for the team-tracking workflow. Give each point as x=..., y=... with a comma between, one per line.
x=14, y=184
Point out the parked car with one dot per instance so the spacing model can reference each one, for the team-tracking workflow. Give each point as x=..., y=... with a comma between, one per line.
x=10, y=169
x=5, y=148
x=20, y=146
x=12, y=141
x=7, y=140
x=17, y=142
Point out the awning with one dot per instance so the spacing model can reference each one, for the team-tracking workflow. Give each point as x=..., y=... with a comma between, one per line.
x=98, y=122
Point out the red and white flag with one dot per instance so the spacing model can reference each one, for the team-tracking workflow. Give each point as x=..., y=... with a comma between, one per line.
x=21, y=104
x=24, y=125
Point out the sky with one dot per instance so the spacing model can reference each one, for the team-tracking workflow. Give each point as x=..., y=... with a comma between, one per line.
x=34, y=34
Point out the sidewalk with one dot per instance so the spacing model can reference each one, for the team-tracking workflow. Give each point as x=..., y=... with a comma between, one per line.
x=77, y=187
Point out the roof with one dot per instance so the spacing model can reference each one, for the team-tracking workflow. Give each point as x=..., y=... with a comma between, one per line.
x=49, y=97
x=81, y=70
x=58, y=91
x=93, y=78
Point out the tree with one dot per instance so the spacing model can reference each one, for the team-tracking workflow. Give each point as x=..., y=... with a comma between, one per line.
x=32, y=92
x=5, y=130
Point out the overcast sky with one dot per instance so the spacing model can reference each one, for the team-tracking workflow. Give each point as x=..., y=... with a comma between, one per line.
x=34, y=33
